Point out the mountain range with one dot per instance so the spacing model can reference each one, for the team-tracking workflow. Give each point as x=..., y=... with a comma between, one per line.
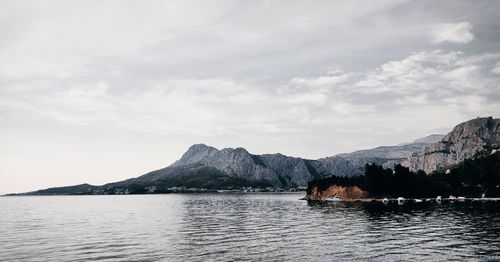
x=205, y=167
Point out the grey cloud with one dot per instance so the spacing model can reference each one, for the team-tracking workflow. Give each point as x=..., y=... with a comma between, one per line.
x=453, y=32
x=211, y=106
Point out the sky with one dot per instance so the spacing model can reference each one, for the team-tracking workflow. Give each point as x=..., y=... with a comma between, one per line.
x=97, y=91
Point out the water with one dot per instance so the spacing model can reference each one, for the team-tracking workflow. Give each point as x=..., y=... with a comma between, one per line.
x=255, y=227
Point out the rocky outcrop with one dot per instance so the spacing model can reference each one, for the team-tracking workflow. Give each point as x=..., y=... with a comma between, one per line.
x=467, y=140
x=342, y=192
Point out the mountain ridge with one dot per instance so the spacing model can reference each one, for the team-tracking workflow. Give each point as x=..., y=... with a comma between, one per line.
x=208, y=168
x=202, y=163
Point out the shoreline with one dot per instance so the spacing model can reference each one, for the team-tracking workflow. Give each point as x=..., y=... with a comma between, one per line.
x=409, y=200
x=150, y=194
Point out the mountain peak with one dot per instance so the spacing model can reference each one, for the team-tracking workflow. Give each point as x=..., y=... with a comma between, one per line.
x=196, y=153
x=199, y=146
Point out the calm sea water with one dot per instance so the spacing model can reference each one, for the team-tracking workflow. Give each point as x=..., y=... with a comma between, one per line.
x=256, y=227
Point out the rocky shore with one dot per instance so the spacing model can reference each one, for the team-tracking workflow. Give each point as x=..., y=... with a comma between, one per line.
x=342, y=192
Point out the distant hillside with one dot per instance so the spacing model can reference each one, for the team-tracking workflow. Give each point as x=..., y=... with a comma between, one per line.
x=83, y=189
x=434, y=138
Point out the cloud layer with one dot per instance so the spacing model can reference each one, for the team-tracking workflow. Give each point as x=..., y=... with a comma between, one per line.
x=423, y=82
x=96, y=91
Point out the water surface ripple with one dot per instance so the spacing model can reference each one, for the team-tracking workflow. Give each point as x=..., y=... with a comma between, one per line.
x=228, y=227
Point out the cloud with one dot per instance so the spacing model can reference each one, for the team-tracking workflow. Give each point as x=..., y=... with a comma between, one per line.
x=460, y=33
x=424, y=81
x=496, y=69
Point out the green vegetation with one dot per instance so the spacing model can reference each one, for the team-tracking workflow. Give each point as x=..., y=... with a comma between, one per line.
x=472, y=177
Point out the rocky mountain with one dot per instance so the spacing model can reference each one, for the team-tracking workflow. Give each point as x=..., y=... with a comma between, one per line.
x=206, y=167
x=277, y=169
x=232, y=162
x=285, y=171
x=465, y=141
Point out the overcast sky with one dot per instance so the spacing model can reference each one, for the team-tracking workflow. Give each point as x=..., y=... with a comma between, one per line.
x=99, y=91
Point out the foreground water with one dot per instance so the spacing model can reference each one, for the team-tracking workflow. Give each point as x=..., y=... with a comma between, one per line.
x=202, y=227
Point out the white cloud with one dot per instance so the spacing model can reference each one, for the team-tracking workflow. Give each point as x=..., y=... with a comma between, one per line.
x=452, y=32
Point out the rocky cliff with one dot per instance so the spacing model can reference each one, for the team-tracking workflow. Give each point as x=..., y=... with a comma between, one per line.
x=277, y=169
x=466, y=140
x=233, y=162
x=342, y=192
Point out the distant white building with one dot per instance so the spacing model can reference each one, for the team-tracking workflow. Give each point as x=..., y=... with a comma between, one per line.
x=151, y=189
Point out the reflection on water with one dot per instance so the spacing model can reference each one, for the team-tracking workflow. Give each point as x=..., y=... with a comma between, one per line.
x=429, y=231
x=203, y=227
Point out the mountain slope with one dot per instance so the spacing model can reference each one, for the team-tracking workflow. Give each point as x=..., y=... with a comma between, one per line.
x=465, y=141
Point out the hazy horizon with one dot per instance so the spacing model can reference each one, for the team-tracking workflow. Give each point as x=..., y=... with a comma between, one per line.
x=101, y=91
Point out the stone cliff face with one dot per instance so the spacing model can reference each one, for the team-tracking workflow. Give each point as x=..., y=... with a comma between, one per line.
x=278, y=169
x=480, y=135
x=291, y=171
x=234, y=162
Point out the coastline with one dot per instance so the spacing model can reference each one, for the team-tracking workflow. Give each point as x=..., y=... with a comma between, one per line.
x=408, y=200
